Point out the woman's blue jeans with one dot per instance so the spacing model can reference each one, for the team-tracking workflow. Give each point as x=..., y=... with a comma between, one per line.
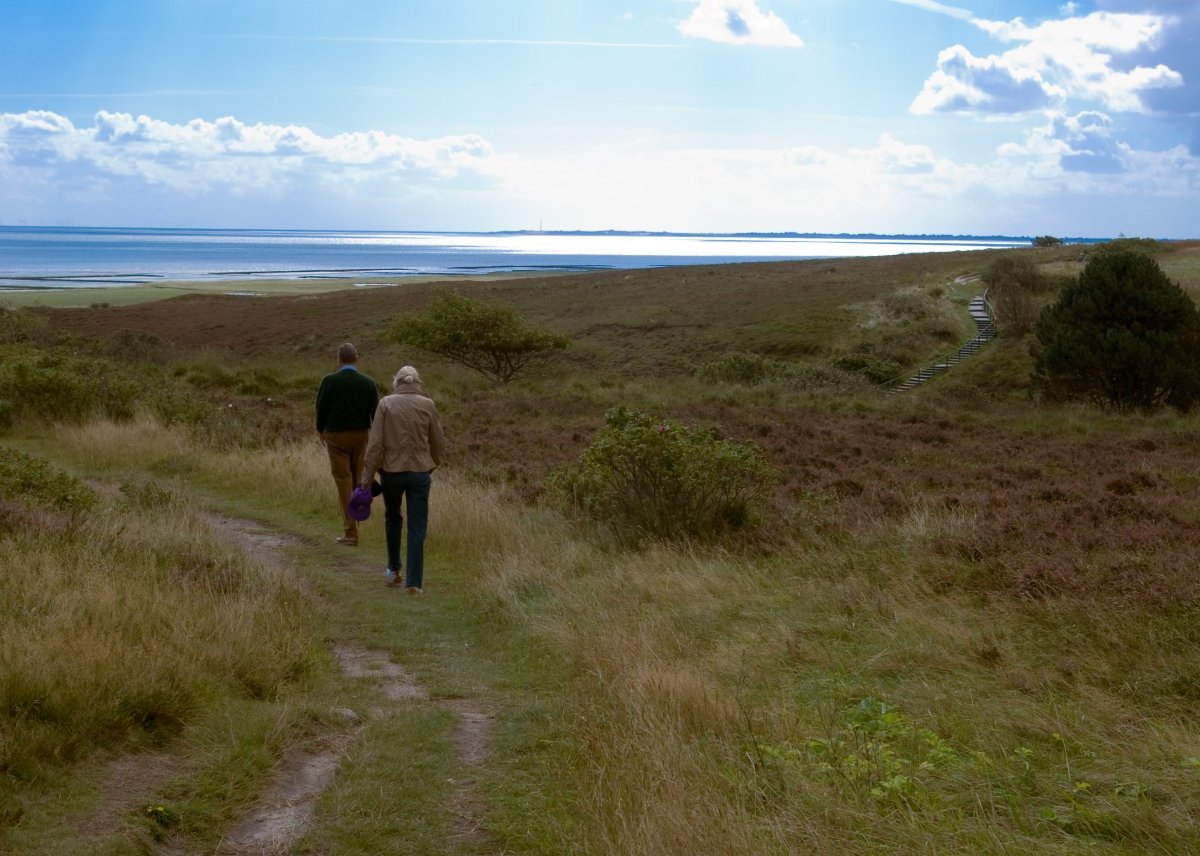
x=413, y=488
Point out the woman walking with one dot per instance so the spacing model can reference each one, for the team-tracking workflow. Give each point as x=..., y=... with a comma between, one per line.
x=404, y=447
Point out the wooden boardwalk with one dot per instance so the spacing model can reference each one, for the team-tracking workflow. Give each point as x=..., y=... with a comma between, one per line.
x=981, y=312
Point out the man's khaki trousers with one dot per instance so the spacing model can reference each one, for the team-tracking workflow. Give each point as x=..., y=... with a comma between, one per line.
x=346, y=452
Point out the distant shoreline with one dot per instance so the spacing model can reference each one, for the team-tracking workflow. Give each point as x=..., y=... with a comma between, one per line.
x=624, y=233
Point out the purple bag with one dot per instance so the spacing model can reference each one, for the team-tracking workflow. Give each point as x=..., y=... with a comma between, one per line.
x=359, y=507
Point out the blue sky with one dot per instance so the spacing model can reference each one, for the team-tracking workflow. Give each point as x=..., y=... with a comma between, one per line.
x=1019, y=117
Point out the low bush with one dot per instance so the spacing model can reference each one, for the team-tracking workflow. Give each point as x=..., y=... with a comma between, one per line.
x=874, y=367
x=1146, y=246
x=20, y=325
x=138, y=348
x=56, y=387
x=751, y=369
x=36, y=482
x=646, y=478
x=744, y=367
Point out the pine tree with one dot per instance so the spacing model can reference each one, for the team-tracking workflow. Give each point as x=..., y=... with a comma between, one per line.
x=1121, y=335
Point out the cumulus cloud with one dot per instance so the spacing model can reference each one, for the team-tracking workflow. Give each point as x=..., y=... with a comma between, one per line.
x=1176, y=48
x=738, y=22
x=1079, y=143
x=201, y=156
x=123, y=168
x=964, y=83
x=1083, y=58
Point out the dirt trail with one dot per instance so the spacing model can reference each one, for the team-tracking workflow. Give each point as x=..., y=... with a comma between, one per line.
x=285, y=811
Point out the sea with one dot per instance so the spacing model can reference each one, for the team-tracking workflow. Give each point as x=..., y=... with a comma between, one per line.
x=73, y=257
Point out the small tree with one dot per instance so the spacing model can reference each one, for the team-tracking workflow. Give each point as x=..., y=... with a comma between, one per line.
x=487, y=337
x=1123, y=335
x=1013, y=285
x=1046, y=241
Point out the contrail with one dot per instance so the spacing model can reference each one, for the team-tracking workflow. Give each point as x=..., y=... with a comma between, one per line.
x=941, y=9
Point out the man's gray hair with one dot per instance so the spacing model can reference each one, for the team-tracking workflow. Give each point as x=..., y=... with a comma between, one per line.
x=347, y=353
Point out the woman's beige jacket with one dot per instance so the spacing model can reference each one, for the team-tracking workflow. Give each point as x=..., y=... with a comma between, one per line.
x=406, y=434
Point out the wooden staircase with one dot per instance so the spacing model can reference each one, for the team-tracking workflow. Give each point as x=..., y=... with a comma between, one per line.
x=981, y=312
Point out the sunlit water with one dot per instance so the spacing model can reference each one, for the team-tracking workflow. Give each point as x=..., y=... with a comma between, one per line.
x=63, y=257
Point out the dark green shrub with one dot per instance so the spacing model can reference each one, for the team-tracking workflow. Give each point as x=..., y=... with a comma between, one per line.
x=642, y=477
x=1146, y=246
x=743, y=367
x=138, y=348
x=874, y=367
x=36, y=482
x=816, y=374
x=1122, y=335
x=487, y=337
x=53, y=387
x=1046, y=241
x=207, y=376
x=20, y=325
x=756, y=370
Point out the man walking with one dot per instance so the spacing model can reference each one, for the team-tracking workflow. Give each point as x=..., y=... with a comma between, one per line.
x=346, y=403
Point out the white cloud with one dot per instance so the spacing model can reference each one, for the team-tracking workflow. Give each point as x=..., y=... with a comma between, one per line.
x=1053, y=61
x=124, y=169
x=738, y=22
x=201, y=156
x=965, y=83
x=1079, y=143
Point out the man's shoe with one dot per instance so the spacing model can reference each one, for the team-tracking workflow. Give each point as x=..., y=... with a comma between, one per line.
x=413, y=590
x=393, y=578
x=346, y=541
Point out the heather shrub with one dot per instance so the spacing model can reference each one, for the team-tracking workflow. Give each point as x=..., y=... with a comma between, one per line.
x=35, y=482
x=138, y=348
x=1145, y=246
x=55, y=387
x=876, y=368
x=20, y=325
x=743, y=367
x=752, y=369
x=646, y=478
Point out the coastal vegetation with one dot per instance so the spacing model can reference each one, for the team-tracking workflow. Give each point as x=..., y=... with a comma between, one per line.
x=965, y=622
x=486, y=337
x=1122, y=335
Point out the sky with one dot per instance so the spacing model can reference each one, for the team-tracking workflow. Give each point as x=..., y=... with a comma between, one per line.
x=1075, y=119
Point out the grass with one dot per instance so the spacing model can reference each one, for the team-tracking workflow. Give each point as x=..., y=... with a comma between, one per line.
x=968, y=625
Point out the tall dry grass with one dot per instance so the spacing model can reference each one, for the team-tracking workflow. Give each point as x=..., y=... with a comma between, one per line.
x=123, y=623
